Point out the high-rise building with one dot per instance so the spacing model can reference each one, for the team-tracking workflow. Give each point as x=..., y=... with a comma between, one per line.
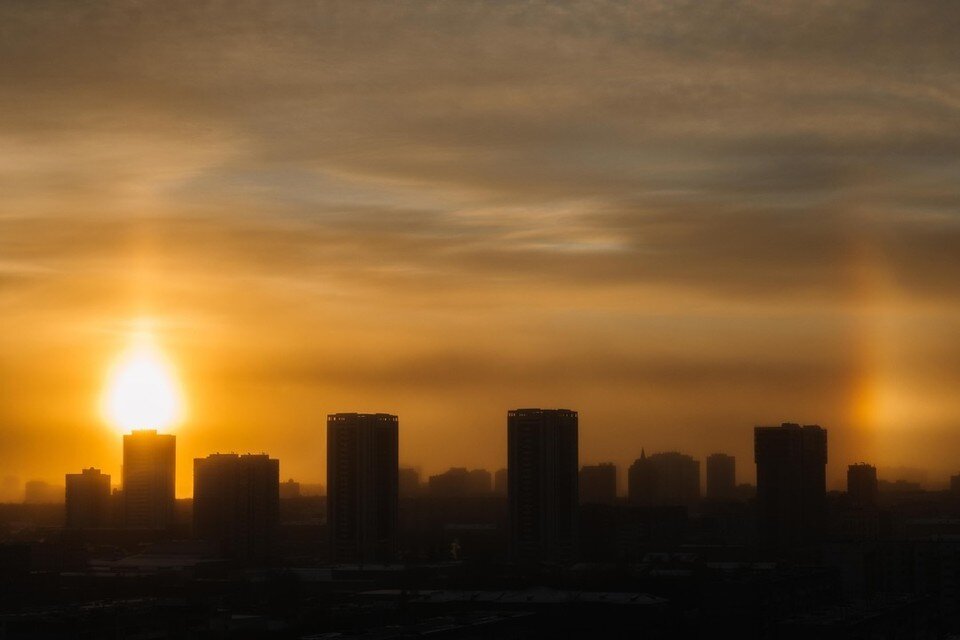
x=721, y=477
x=88, y=499
x=458, y=481
x=664, y=479
x=236, y=504
x=791, y=484
x=500, y=482
x=862, y=485
x=598, y=484
x=362, y=486
x=149, y=477
x=542, y=461
x=409, y=482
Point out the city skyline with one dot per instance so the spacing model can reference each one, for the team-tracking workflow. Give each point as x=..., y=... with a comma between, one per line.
x=745, y=474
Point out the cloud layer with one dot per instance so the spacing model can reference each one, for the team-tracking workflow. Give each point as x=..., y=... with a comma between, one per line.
x=680, y=218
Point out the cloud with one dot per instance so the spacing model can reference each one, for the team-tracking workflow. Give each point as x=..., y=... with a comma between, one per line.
x=420, y=195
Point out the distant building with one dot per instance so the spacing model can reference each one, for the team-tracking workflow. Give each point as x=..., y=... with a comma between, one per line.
x=312, y=490
x=409, y=479
x=236, y=504
x=87, y=499
x=362, y=486
x=862, y=485
x=149, y=476
x=598, y=484
x=791, y=484
x=664, y=479
x=721, y=477
x=42, y=492
x=500, y=482
x=289, y=490
x=542, y=456
x=458, y=481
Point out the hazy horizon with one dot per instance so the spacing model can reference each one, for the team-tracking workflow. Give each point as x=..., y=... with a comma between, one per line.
x=680, y=219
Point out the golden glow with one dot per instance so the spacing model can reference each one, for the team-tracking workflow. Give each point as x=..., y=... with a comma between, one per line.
x=142, y=390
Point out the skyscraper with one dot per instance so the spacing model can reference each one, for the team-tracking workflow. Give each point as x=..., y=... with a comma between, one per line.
x=598, y=484
x=669, y=478
x=721, y=477
x=362, y=486
x=88, y=499
x=791, y=484
x=149, y=472
x=236, y=503
x=542, y=460
x=862, y=485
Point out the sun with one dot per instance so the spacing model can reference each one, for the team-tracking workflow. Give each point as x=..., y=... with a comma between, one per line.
x=142, y=390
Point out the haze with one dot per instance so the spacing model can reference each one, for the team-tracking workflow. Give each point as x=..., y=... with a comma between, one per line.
x=681, y=219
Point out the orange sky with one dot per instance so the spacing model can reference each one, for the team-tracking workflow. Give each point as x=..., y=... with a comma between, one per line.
x=679, y=219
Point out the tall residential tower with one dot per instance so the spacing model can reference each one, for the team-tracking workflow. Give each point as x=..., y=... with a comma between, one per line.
x=149, y=477
x=542, y=460
x=791, y=484
x=362, y=486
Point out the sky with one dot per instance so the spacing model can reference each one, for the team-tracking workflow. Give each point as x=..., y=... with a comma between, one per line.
x=681, y=219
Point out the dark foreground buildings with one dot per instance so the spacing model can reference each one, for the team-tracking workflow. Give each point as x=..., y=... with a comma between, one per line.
x=87, y=499
x=542, y=460
x=791, y=484
x=362, y=487
x=236, y=504
x=149, y=476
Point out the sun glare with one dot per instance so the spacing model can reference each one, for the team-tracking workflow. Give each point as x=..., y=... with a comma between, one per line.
x=142, y=390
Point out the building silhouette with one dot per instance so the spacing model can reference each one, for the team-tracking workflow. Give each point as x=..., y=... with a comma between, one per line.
x=289, y=490
x=598, y=484
x=542, y=462
x=362, y=486
x=721, y=477
x=149, y=477
x=458, y=481
x=500, y=482
x=862, y=485
x=236, y=504
x=42, y=492
x=791, y=484
x=87, y=499
x=409, y=482
x=664, y=479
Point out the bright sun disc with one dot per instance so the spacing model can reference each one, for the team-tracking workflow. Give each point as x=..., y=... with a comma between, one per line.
x=141, y=391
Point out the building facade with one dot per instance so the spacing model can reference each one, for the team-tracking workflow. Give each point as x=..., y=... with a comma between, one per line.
x=362, y=486
x=542, y=485
x=791, y=484
x=87, y=499
x=236, y=504
x=149, y=480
